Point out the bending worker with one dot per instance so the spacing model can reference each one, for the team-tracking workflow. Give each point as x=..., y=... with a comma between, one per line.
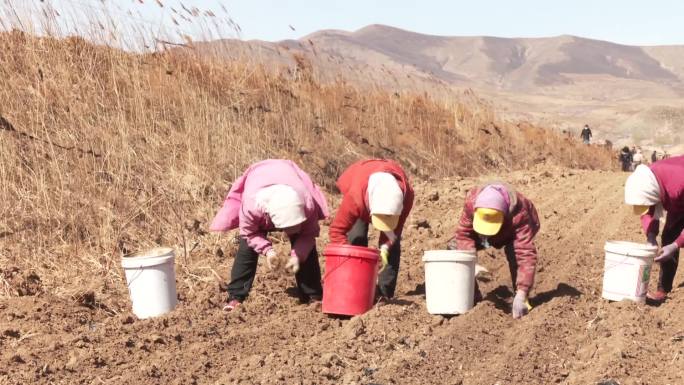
x=273, y=195
x=495, y=215
x=652, y=190
x=377, y=192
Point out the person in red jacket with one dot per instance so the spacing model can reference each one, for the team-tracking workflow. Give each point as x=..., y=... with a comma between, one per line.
x=651, y=191
x=495, y=215
x=377, y=192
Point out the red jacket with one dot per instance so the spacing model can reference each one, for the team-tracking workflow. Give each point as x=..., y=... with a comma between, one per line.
x=353, y=183
x=670, y=176
x=520, y=226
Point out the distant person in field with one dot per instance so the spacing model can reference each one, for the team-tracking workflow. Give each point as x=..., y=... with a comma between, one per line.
x=273, y=195
x=586, y=134
x=637, y=159
x=376, y=192
x=626, y=158
x=651, y=191
x=495, y=215
x=654, y=157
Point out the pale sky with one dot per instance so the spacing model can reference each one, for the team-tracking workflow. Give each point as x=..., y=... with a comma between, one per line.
x=637, y=22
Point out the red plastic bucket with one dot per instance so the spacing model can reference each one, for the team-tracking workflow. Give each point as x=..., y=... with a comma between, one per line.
x=350, y=276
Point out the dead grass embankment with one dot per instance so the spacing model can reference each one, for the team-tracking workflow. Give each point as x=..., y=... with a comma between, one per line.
x=103, y=151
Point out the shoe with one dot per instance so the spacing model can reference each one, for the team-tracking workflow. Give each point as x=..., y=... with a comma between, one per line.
x=315, y=298
x=657, y=296
x=315, y=303
x=231, y=305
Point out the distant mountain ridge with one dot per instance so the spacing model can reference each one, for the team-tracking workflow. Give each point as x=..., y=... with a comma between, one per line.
x=515, y=64
x=563, y=81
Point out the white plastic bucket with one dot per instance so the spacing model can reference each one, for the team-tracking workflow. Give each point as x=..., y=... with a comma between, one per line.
x=449, y=281
x=151, y=281
x=627, y=270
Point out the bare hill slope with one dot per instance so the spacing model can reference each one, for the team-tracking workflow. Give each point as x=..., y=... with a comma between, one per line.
x=562, y=82
x=502, y=63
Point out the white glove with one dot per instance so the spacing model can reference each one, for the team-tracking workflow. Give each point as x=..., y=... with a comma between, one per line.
x=272, y=260
x=666, y=253
x=520, y=305
x=292, y=264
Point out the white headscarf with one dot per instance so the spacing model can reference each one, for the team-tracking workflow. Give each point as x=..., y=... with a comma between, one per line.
x=384, y=194
x=283, y=204
x=642, y=189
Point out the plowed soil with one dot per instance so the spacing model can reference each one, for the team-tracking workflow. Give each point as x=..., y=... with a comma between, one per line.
x=572, y=336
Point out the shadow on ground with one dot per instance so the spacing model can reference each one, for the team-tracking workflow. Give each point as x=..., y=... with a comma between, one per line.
x=562, y=290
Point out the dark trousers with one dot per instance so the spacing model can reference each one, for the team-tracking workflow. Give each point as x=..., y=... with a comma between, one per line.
x=387, y=280
x=669, y=269
x=245, y=266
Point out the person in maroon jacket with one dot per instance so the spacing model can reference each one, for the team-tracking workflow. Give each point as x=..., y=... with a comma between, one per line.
x=377, y=192
x=652, y=190
x=495, y=215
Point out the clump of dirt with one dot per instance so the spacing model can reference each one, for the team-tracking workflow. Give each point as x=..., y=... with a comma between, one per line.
x=21, y=283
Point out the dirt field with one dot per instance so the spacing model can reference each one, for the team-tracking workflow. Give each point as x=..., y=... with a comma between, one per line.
x=572, y=336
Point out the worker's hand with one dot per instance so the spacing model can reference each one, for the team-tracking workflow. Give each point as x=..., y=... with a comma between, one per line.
x=520, y=304
x=384, y=255
x=667, y=252
x=273, y=261
x=292, y=264
x=651, y=238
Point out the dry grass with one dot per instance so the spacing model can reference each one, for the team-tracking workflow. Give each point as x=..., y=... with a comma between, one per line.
x=103, y=152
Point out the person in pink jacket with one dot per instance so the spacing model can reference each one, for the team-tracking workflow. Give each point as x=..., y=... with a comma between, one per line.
x=651, y=191
x=273, y=195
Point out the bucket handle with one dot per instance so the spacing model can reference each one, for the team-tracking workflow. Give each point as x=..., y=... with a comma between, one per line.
x=628, y=254
x=336, y=267
x=637, y=256
x=622, y=260
x=331, y=271
x=135, y=276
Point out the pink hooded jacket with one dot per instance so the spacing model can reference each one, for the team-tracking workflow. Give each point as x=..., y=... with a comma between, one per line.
x=670, y=176
x=240, y=208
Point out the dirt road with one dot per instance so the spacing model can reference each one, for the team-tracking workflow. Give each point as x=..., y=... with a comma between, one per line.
x=571, y=336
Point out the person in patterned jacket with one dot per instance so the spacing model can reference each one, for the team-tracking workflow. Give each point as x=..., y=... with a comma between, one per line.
x=495, y=215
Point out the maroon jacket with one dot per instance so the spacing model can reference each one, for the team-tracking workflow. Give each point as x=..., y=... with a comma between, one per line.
x=520, y=226
x=353, y=183
x=670, y=176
